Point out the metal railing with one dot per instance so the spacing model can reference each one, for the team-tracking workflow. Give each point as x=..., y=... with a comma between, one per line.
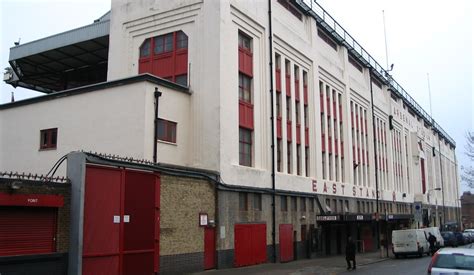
x=343, y=37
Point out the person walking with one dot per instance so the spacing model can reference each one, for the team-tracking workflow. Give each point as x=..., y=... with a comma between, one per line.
x=432, y=240
x=350, y=253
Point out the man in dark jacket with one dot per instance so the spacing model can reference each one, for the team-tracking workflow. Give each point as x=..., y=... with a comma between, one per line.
x=350, y=253
x=432, y=240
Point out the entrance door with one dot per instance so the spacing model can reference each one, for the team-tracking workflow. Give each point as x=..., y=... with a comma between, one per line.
x=209, y=248
x=121, y=222
x=286, y=242
x=250, y=244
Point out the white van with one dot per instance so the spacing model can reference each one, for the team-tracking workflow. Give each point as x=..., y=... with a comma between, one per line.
x=409, y=242
x=435, y=232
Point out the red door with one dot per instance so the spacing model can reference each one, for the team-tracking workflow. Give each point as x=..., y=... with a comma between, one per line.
x=250, y=244
x=286, y=242
x=209, y=248
x=101, y=235
x=121, y=222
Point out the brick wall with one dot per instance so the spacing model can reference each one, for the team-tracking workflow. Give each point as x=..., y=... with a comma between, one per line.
x=182, y=199
x=47, y=188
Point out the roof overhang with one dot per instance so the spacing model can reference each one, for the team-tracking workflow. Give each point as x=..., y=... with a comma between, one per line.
x=63, y=61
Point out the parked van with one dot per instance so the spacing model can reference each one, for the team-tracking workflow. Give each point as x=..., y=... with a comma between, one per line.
x=410, y=242
x=435, y=232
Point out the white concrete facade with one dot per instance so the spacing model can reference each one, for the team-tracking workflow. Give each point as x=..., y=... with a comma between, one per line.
x=120, y=120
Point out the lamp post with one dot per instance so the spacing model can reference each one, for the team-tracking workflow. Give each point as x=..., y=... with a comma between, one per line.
x=429, y=205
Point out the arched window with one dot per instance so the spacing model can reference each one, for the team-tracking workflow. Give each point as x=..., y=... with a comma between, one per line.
x=168, y=59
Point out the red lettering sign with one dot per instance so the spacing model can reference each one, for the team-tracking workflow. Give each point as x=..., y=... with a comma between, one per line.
x=31, y=200
x=315, y=186
x=325, y=189
x=334, y=191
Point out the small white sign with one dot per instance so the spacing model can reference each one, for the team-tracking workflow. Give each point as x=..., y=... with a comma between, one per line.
x=203, y=219
x=126, y=218
x=116, y=219
x=222, y=232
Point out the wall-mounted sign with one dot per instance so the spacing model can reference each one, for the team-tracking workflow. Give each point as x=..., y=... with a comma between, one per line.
x=39, y=200
x=328, y=218
x=203, y=219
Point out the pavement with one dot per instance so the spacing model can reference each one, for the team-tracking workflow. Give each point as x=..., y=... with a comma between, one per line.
x=321, y=265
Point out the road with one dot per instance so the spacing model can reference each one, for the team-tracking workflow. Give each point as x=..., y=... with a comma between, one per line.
x=408, y=266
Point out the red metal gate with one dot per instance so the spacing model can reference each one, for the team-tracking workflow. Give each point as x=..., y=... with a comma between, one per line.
x=250, y=244
x=286, y=242
x=121, y=222
x=209, y=248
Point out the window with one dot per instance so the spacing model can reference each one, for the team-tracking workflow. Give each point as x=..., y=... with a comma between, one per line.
x=291, y=8
x=327, y=39
x=283, y=203
x=245, y=42
x=49, y=138
x=243, y=201
x=303, y=204
x=245, y=147
x=279, y=156
x=294, y=204
x=288, y=108
x=245, y=88
x=358, y=207
x=334, y=203
x=311, y=204
x=298, y=159
x=288, y=157
x=377, y=83
x=355, y=63
x=346, y=209
x=328, y=205
x=166, y=130
x=169, y=58
x=257, y=201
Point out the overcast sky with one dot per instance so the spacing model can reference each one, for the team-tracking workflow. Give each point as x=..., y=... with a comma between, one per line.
x=423, y=37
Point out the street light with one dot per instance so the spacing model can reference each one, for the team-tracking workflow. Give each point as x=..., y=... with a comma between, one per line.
x=429, y=205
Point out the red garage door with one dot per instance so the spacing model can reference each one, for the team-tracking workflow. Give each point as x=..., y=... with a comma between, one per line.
x=121, y=222
x=27, y=230
x=250, y=244
x=286, y=242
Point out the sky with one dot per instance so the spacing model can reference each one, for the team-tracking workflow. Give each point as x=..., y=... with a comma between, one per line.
x=423, y=37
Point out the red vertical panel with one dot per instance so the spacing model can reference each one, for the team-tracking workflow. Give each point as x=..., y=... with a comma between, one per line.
x=181, y=66
x=163, y=65
x=297, y=90
x=423, y=179
x=27, y=230
x=139, y=231
x=209, y=248
x=245, y=115
x=286, y=242
x=305, y=94
x=242, y=251
x=245, y=62
x=157, y=224
x=259, y=243
x=288, y=85
x=144, y=66
x=101, y=234
x=278, y=80
x=357, y=122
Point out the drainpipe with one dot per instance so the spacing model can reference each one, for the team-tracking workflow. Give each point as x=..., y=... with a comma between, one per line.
x=272, y=119
x=155, y=132
x=442, y=181
x=375, y=158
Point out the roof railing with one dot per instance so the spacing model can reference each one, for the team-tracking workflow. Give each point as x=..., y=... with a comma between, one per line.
x=342, y=36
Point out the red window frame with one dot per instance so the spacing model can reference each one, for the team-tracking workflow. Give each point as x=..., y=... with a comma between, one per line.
x=48, y=138
x=168, y=61
x=166, y=130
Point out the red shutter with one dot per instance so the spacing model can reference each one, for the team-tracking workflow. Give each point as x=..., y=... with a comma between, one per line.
x=245, y=115
x=305, y=94
x=297, y=90
x=245, y=62
x=278, y=80
x=288, y=85
x=27, y=230
x=321, y=102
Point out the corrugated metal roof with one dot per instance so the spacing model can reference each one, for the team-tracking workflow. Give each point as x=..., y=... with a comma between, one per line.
x=97, y=29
